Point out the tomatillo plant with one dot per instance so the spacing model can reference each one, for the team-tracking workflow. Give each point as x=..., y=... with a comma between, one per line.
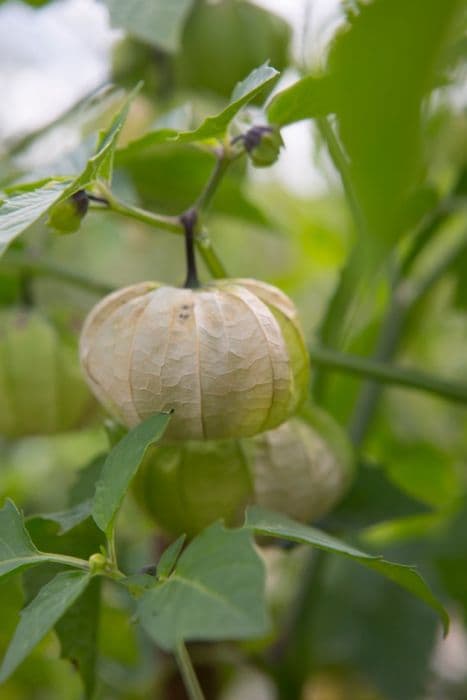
x=204, y=375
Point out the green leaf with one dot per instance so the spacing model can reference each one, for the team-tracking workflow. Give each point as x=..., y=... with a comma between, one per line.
x=372, y=499
x=78, y=632
x=306, y=99
x=29, y=202
x=169, y=557
x=158, y=22
x=85, y=485
x=19, y=211
x=216, y=592
x=244, y=92
x=120, y=467
x=263, y=522
x=41, y=615
x=100, y=165
x=348, y=621
x=17, y=551
x=68, y=519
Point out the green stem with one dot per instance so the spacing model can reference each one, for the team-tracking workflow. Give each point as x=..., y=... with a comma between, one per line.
x=205, y=198
x=47, y=268
x=388, y=374
x=341, y=164
x=331, y=326
x=174, y=223
x=167, y=223
x=75, y=562
x=209, y=255
x=404, y=297
x=187, y=672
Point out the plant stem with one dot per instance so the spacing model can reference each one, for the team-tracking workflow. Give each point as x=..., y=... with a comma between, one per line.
x=388, y=374
x=209, y=255
x=189, y=220
x=67, y=560
x=187, y=672
x=220, y=168
x=342, y=166
x=404, y=297
x=167, y=223
x=174, y=224
x=340, y=301
x=47, y=268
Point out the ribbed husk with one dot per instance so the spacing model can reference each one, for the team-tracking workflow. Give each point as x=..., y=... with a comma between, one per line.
x=300, y=471
x=41, y=386
x=229, y=358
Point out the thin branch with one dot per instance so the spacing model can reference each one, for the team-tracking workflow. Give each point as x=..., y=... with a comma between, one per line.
x=404, y=298
x=342, y=297
x=389, y=374
x=167, y=223
x=220, y=168
x=188, y=674
x=36, y=267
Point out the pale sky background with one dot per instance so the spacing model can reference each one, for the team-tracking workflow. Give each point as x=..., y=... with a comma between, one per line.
x=53, y=56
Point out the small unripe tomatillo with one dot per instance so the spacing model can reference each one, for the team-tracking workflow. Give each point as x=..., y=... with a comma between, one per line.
x=263, y=144
x=300, y=469
x=188, y=486
x=41, y=386
x=65, y=217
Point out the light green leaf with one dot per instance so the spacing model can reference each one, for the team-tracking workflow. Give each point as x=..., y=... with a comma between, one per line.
x=19, y=211
x=169, y=557
x=157, y=22
x=120, y=467
x=17, y=551
x=244, y=92
x=305, y=99
x=41, y=615
x=100, y=165
x=216, y=592
x=264, y=522
x=29, y=202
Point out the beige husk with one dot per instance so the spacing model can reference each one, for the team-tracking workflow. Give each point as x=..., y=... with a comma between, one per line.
x=217, y=356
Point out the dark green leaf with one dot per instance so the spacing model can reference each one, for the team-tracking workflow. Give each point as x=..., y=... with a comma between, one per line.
x=372, y=499
x=349, y=620
x=17, y=550
x=158, y=22
x=120, y=467
x=264, y=522
x=78, y=633
x=216, y=592
x=41, y=615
